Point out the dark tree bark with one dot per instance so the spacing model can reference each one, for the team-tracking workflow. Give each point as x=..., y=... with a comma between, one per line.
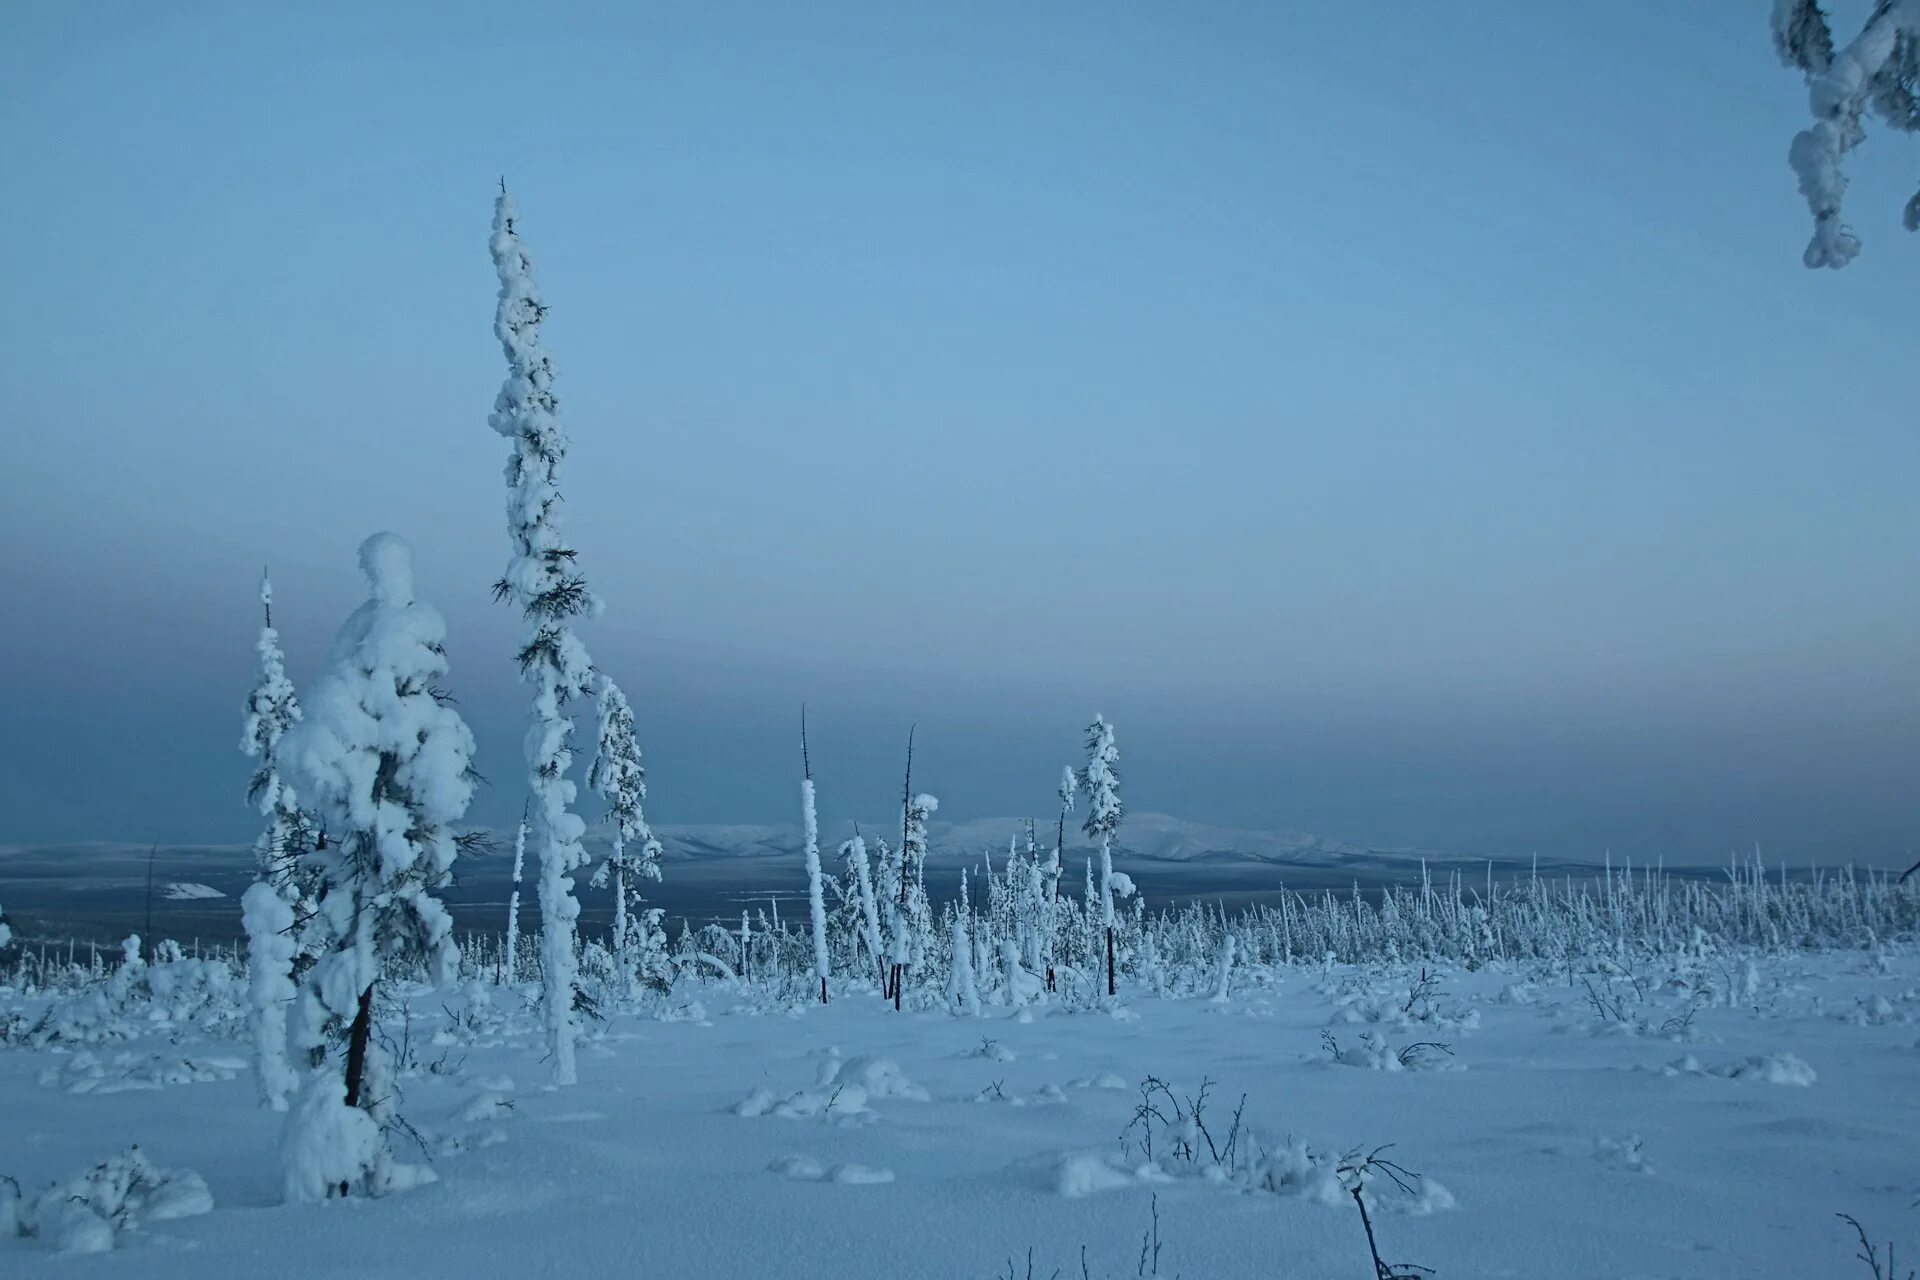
x=357, y=1037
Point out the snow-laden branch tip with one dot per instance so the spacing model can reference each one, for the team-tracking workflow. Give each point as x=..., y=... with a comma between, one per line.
x=1879, y=71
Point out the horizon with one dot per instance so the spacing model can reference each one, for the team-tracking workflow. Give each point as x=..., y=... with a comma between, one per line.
x=1501, y=484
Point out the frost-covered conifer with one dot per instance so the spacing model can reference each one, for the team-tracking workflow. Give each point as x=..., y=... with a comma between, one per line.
x=619, y=776
x=1878, y=71
x=746, y=945
x=543, y=579
x=1068, y=786
x=6, y=932
x=1223, y=966
x=916, y=911
x=962, y=994
x=387, y=764
x=1100, y=781
x=268, y=919
x=268, y=909
x=513, y=900
x=855, y=852
x=816, y=898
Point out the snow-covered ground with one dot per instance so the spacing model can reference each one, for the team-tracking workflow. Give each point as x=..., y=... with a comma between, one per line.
x=1694, y=1118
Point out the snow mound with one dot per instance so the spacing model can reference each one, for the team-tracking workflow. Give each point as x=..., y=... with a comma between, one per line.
x=840, y=1103
x=1622, y=1153
x=992, y=1051
x=87, y=1072
x=807, y=1169
x=875, y=1077
x=1085, y=1173
x=326, y=1144
x=188, y=891
x=88, y=1213
x=1772, y=1068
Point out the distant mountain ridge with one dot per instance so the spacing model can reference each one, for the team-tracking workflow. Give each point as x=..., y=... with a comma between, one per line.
x=1154, y=837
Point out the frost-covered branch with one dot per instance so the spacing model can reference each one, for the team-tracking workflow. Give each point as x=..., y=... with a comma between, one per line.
x=1878, y=71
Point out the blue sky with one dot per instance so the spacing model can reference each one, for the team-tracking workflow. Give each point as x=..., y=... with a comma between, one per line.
x=1410, y=424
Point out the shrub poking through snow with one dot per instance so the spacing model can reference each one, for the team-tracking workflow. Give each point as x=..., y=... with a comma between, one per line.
x=387, y=762
x=88, y=1212
x=1171, y=1137
x=1869, y=1255
x=1356, y=1172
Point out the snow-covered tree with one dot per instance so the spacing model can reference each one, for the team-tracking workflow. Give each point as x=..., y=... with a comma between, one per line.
x=268, y=918
x=914, y=932
x=1100, y=782
x=855, y=852
x=6, y=931
x=513, y=899
x=543, y=579
x=1069, y=784
x=621, y=779
x=269, y=908
x=386, y=762
x=963, y=996
x=1879, y=71
x=816, y=897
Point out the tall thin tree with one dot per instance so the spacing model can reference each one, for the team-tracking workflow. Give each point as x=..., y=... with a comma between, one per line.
x=543, y=579
x=271, y=907
x=810, y=823
x=1100, y=781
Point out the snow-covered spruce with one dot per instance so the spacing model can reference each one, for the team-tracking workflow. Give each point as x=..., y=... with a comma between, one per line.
x=1878, y=71
x=620, y=777
x=387, y=763
x=6, y=931
x=269, y=922
x=913, y=912
x=855, y=853
x=963, y=996
x=272, y=709
x=512, y=958
x=543, y=579
x=1069, y=785
x=1100, y=781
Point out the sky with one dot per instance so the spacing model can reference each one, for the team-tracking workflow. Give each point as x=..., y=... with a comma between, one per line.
x=1412, y=425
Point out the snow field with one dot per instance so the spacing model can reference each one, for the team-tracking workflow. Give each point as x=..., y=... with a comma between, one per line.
x=719, y=1131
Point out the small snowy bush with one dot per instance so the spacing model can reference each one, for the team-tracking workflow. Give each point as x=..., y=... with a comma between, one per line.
x=88, y=1212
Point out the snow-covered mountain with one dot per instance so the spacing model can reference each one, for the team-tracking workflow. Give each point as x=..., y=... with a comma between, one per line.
x=1153, y=837
x=1156, y=837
